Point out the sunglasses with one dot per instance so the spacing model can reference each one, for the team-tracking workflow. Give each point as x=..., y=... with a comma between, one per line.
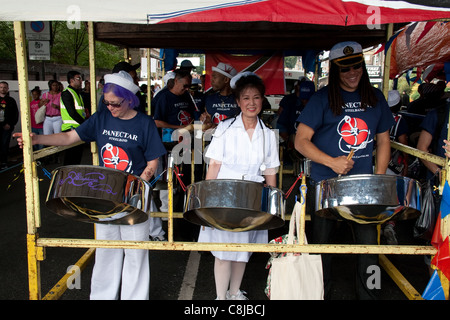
x=347, y=69
x=114, y=105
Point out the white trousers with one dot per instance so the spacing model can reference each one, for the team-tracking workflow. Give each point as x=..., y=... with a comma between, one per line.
x=123, y=273
x=52, y=125
x=156, y=227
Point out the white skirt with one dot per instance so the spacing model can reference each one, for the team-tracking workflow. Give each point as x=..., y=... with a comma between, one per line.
x=208, y=234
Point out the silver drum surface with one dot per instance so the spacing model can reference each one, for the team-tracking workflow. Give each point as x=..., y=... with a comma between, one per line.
x=234, y=205
x=368, y=198
x=97, y=194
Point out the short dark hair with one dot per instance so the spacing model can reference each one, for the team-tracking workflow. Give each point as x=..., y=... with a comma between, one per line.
x=72, y=74
x=252, y=81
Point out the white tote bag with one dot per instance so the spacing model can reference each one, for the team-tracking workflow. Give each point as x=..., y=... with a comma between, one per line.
x=296, y=276
x=39, y=116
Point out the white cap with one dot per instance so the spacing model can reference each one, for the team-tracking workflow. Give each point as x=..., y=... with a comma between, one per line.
x=225, y=69
x=169, y=75
x=393, y=98
x=123, y=79
x=343, y=49
x=240, y=75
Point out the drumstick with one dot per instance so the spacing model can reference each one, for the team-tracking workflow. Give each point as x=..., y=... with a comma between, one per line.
x=350, y=155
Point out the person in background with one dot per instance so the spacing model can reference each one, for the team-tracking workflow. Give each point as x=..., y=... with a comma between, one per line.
x=73, y=114
x=36, y=128
x=398, y=165
x=221, y=104
x=291, y=107
x=9, y=115
x=52, y=100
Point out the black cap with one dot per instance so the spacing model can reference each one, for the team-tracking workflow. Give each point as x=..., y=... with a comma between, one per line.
x=125, y=66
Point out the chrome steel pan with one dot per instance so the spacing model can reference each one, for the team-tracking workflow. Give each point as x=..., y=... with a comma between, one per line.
x=98, y=194
x=368, y=198
x=234, y=205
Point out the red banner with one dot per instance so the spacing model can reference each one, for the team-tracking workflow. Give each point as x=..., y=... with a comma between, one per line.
x=269, y=67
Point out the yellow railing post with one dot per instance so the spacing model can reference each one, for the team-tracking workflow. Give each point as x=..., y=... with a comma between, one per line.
x=22, y=76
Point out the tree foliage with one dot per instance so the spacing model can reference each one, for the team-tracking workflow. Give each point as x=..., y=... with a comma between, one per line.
x=67, y=46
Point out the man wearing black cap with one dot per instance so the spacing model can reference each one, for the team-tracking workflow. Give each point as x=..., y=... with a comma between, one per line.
x=131, y=69
x=337, y=131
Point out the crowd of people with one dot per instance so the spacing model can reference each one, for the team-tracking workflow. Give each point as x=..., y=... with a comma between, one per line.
x=312, y=123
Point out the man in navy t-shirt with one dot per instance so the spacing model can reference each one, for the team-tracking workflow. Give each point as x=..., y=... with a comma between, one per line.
x=292, y=106
x=348, y=114
x=173, y=108
x=221, y=104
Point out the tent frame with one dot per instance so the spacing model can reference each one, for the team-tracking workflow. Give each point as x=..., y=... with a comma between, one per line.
x=36, y=245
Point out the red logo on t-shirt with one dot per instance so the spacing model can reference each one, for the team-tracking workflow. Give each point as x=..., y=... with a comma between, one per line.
x=115, y=157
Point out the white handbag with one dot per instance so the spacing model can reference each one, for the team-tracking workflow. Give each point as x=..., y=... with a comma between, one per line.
x=296, y=276
x=39, y=116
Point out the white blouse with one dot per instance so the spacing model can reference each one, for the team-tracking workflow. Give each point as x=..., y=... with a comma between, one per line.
x=242, y=157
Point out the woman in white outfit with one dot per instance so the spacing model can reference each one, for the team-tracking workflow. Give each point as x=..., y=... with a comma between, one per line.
x=241, y=148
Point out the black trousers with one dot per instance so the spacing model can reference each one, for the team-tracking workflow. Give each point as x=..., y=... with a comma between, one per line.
x=363, y=234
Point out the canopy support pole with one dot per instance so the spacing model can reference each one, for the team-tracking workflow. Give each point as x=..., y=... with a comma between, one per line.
x=387, y=61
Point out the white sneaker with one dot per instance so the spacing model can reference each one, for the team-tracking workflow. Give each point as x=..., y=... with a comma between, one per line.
x=238, y=296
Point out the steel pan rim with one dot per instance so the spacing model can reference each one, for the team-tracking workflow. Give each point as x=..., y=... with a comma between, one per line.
x=132, y=216
x=196, y=193
x=126, y=174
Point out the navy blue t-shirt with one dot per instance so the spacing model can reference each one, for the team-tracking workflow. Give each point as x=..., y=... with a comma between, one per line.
x=125, y=145
x=430, y=124
x=292, y=108
x=353, y=129
x=221, y=107
x=173, y=109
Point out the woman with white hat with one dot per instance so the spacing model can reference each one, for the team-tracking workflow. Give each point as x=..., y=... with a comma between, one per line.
x=118, y=272
x=242, y=148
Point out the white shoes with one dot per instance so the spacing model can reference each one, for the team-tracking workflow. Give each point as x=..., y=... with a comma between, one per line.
x=238, y=296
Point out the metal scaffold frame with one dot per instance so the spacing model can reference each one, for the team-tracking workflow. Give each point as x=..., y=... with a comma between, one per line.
x=36, y=245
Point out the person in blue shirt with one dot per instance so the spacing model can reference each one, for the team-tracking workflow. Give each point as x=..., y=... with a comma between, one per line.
x=292, y=106
x=433, y=136
x=174, y=108
x=127, y=140
x=221, y=104
x=348, y=114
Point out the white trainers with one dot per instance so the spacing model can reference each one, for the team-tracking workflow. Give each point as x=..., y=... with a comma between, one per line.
x=238, y=296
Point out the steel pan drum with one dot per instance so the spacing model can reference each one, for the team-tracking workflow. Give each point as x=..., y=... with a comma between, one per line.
x=234, y=205
x=98, y=194
x=368, y=198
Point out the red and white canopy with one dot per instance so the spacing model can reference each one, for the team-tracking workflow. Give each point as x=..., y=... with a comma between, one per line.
x=329, y=12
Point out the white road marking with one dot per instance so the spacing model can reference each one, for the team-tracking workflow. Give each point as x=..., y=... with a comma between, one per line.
x=190, y=277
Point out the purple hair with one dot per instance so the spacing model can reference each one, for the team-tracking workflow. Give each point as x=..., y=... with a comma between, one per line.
x=121, y=92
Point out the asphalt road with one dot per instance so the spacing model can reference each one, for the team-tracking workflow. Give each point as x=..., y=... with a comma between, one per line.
x=174, y=275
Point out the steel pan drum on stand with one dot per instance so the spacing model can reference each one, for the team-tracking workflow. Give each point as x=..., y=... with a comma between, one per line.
x=368, y=198
x=97, y=194
x=234, y=205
